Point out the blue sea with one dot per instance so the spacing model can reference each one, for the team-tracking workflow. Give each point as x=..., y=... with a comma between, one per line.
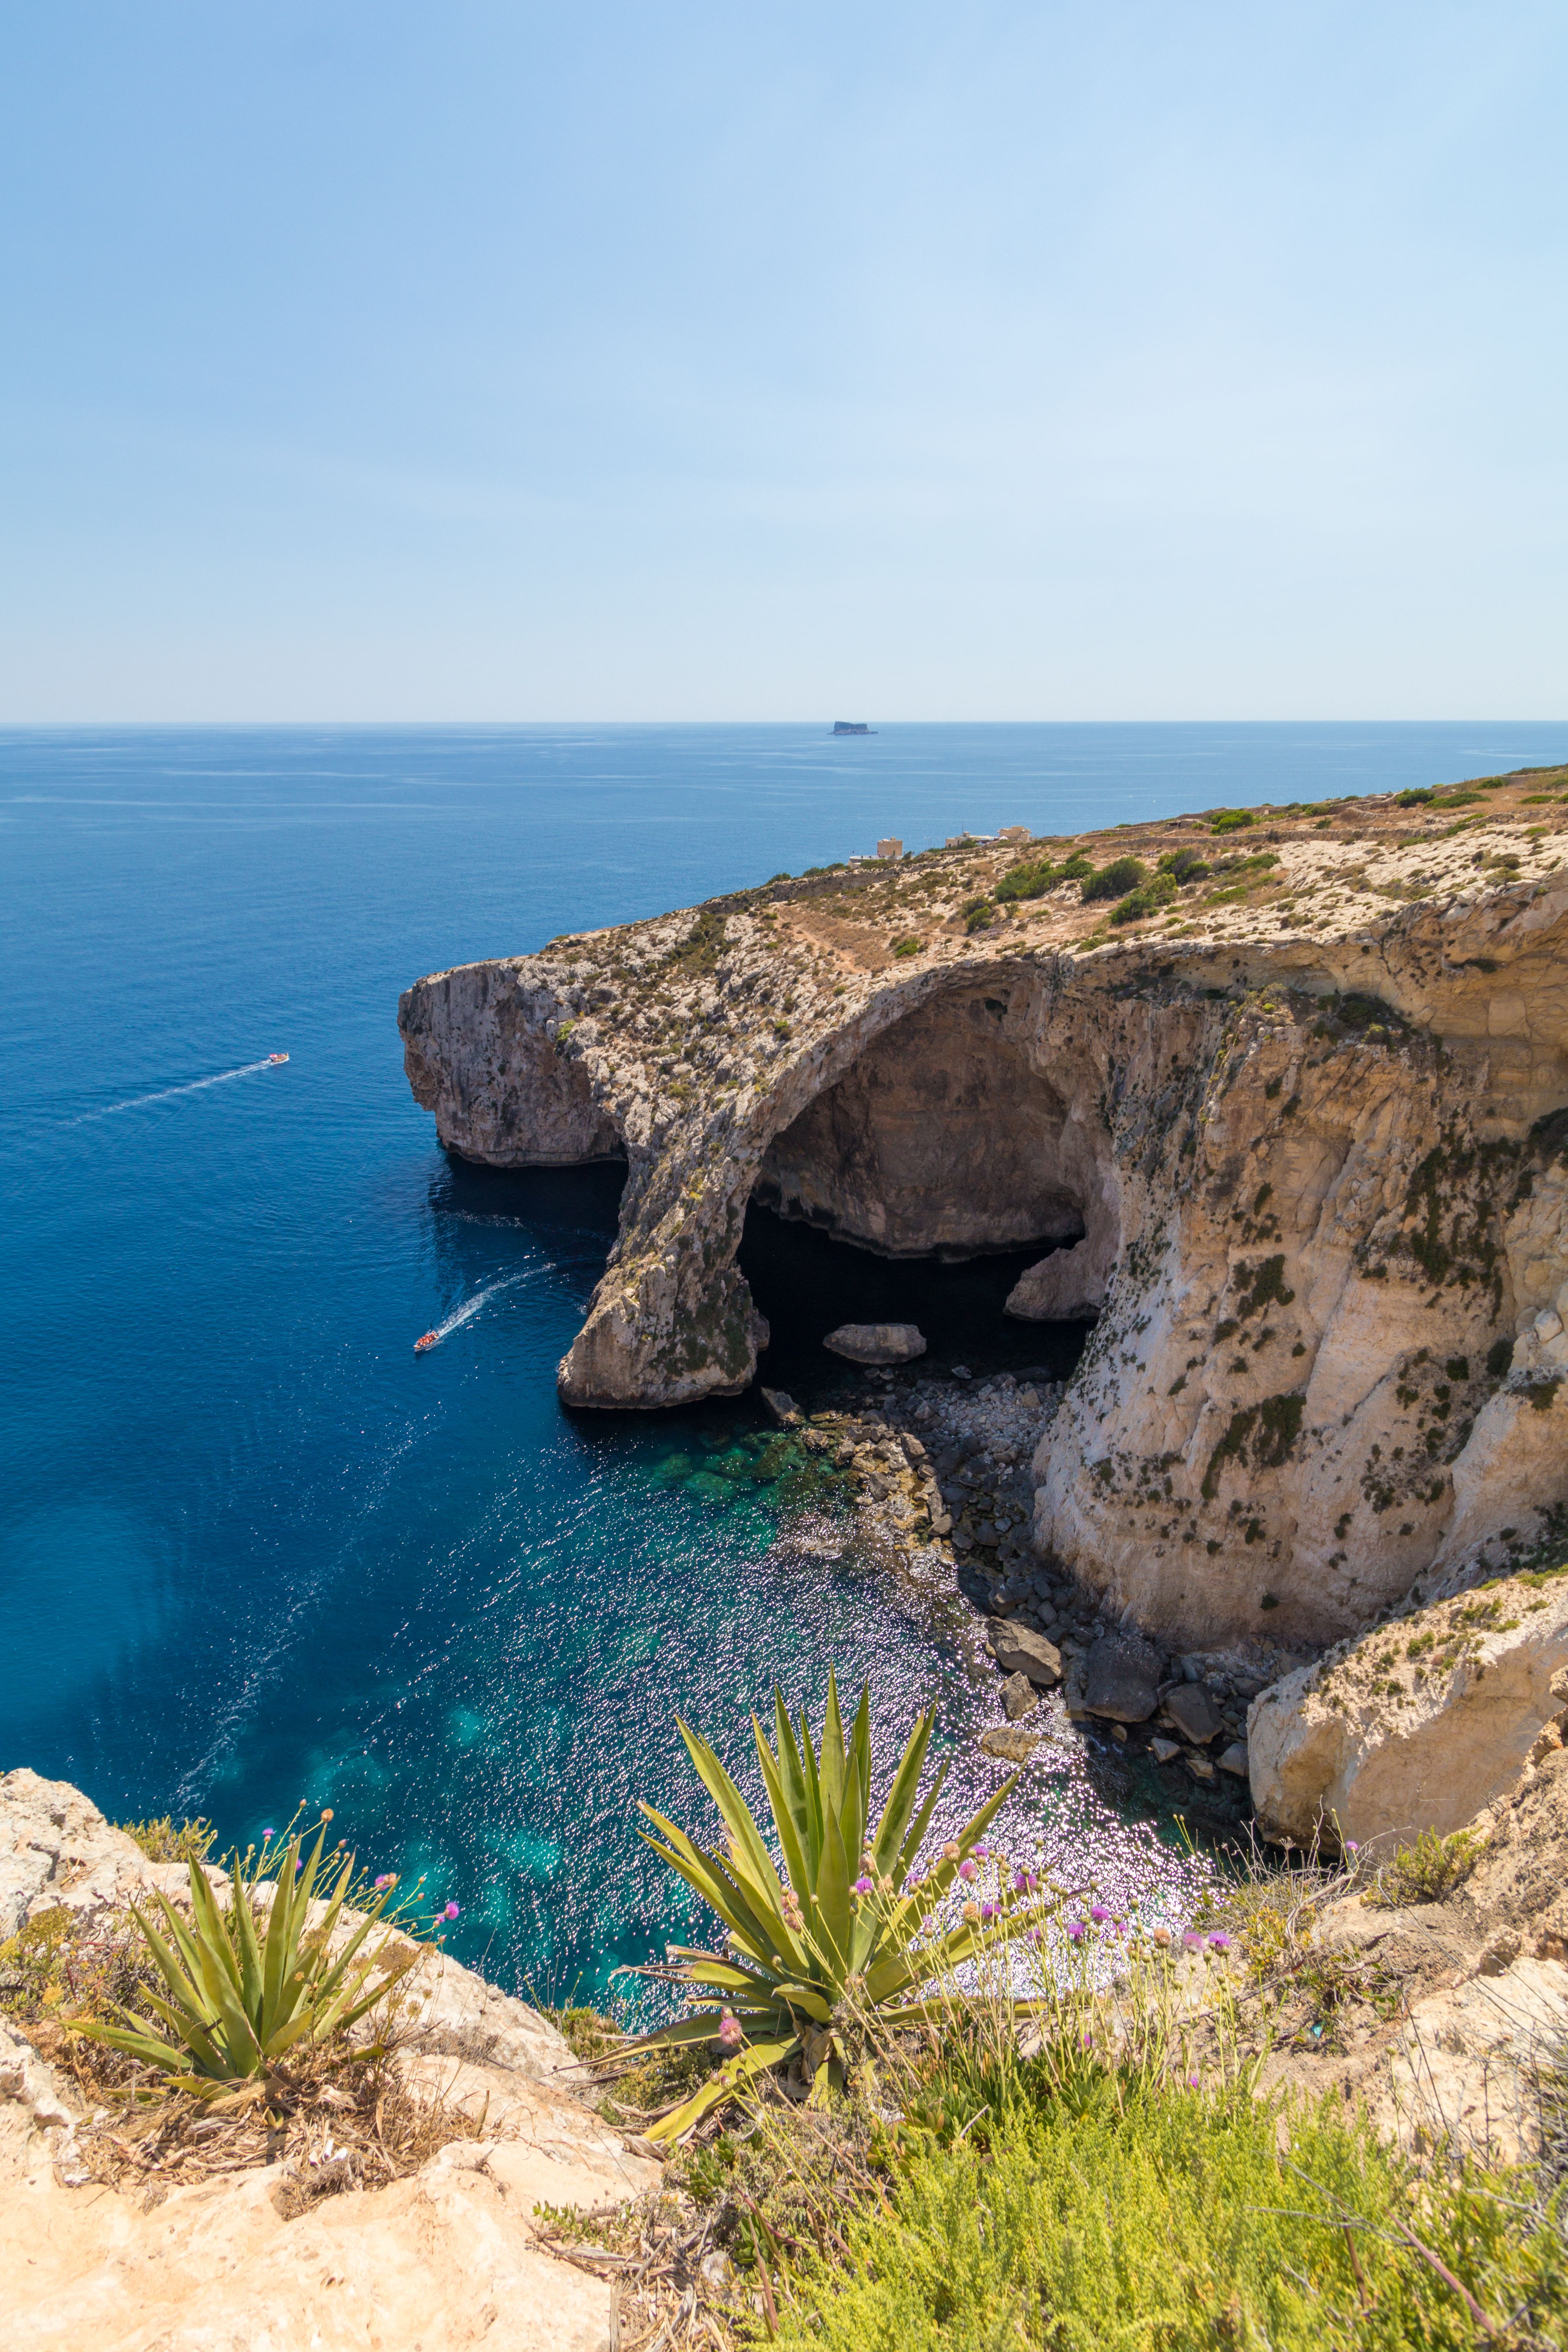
x=252, y=1549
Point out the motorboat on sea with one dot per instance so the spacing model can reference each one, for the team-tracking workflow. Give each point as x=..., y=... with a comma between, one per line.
x=277, y=1057
x=427, y=1340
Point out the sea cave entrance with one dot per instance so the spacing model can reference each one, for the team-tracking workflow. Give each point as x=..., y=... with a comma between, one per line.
x=920, y=1185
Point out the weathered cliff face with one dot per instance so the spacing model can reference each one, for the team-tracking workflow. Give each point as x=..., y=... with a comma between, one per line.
x=1307, y=1142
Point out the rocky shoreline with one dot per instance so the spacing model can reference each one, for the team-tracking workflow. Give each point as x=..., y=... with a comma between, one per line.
x=941, y=1469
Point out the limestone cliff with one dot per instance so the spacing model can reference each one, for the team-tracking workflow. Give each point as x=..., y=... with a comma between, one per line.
x=1291, y=1131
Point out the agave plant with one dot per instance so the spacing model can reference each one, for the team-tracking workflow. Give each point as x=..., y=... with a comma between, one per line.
x=244, y=1990
x=829, y=1944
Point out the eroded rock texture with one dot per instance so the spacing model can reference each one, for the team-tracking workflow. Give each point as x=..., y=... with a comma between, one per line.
x=1307, y=1171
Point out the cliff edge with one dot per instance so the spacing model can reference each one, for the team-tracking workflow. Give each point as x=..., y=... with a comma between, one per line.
x=1288, y=1116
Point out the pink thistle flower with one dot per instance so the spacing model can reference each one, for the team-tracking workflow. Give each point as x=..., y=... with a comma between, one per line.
x=1351, y=1845
x=1099, y=1914
x=1219, y=1941
x=387, y=1878
x=981, y=1854
x=1192, y=1941
x=988, y=1912
x=1192, y=2081
x=1077, y=1931
x=967, y=1871
x=450, y=1912
x=730, y=2033
x=863, y=1885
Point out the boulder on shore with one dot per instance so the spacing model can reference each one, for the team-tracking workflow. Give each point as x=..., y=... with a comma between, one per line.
x=876, y=1343
x=1416, y=1726
x=1018, y=1649
x=1121, y=1679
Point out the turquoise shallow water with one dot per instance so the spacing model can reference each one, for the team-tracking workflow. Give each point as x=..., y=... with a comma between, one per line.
x=251, y=1547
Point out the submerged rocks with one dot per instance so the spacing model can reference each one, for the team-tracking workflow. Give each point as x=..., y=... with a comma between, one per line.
x=1418, y=1725
x=1009, y=1743
x=876, y=1343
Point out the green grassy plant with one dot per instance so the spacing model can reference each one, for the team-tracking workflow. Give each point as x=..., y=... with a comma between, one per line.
x=243, y=1985
x=161, y=1840
x=831, y=1945
x=1075, y=2201
x=1115, y=880
x=1425, y=1871
x=1231, y=820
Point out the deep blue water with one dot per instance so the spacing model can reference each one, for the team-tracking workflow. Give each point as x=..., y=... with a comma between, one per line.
x=252, y=1548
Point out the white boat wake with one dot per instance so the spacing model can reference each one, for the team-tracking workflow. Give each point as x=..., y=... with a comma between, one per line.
x=167, y=1093
x=471, y=1306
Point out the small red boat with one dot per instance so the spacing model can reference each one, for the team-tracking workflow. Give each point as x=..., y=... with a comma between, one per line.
x=427, y=1341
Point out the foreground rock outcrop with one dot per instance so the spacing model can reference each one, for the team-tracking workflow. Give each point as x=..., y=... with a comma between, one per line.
x=1298, y=1136
x=1419, y=1723
x=443, y=2258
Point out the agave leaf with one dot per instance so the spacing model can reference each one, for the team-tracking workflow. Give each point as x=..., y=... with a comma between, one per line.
x=833, y=1899
x=813, y=1796
x=792, y=1773
x=920, y=1825
x=723, y=1976
x=151, y=2048
x=783, y=1811
x=697, y=2025
x=708, y=1878
x=731, y=2078
x=186, y=1987
x=803, y=1996
x=833, y=1760
x=249, y=1949
x=751, y=1856
x=275, y=1957
x=887, y=1843
x=190, y=2035
x=857, y=1781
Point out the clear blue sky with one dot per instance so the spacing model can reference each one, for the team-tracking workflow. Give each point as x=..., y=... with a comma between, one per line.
x=898, y=361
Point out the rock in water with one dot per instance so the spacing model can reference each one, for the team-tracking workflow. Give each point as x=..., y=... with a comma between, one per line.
x=1011, y=1745
x=876, y=1343
x=781, y=1406
x=1234, y=1760
x=1018, y=1651
x=1193, y=1711
x=1018, y=1695
x=1121, y=1679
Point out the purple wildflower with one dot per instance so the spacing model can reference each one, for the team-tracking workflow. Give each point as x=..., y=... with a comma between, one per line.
x=1192, y=1941
x=981, y=1854
x=1099, y=1914
x=987, y=1911
x=1219, y=1941
x=450, y=1912
x=967, y=1870
x=1351, y=1845
x=1192, y=2081
x=729, y=2032
x=387, y=1878
x=1076, y=1931
x=269, y=1832
x=863, y=1885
